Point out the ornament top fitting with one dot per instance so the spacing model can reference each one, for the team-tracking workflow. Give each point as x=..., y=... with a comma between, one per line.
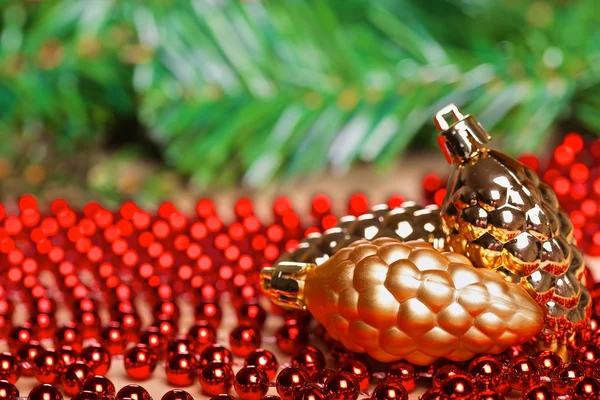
x=463, y=138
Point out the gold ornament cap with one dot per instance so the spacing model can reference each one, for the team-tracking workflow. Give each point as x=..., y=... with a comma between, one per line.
x=461, y=139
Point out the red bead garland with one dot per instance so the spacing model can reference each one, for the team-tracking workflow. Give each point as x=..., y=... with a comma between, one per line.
x=132, y=255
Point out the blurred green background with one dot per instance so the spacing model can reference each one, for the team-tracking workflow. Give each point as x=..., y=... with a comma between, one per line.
x=141, y=99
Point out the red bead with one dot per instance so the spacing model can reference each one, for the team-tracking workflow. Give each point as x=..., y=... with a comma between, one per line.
x=565, y=377
x=9, y=367
x=489, y=395
x=180, y=344
x=522, y=372
x=74, y=376
x=402, y=372
x=341, y=386
x=168, y=309
x=177, y=394
x=243, y=340
x=444, y=372
x=290, y=337
x=133, y=392
x=97, y=358
x=486, y=371
x=586, y=388
x=320, y=376
x=20, y=335
x=45, y=392
x=251, y=383
x=210, y=312
x=140, y=362
x=68, y=355
x=47, y=366
x=69, y=335
x=289, y=381
x=130, y=325
x=8, y=391
x=26, y=356
x=360, y=370
x=587, y=355
x=512, y=352
x=86, y=395
x=389, y=391
x=181, y=369
x=202, y=335
x=310, y=358
x=538, y=392
x=100, y=385
x=167, y=327
x=251, y=314
x=112, y=339
x=264, y=360
x=548, y=361
x=459, y=387
x=155, y=341
x=216, y=353
x=215, y=378
x=309, y=392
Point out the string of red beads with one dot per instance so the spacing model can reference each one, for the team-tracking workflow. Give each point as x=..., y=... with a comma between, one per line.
x=131, y=255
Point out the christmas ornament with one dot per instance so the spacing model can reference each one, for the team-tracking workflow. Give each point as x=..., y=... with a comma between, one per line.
x=397, y=300
x=502, y=217
x=407, y=222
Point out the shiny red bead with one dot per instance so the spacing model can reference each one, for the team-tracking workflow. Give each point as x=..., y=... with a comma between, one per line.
x=68, y=355
x=9, y=367
x=69, y=335
x=587, y=388
x=216, y=353
x=8, y=391
x=130, y=326
x=74, y=376
x=565, y=377
x=459, y=387
x=179, y=344
x=140, y=362
x=202, y=335
x=97, y=358
x=360, y=370
x=289, y=380
x=215, y=378
x=100, y=385
x=587, y=355
x=341, y=386
x=45, y=392
x=87, y=395
x=320, y=376
x=489, y=395
x=487, y=372
x=538, y=392
x=310, y=358
x=210, y=312
x=251, y=314
x=402, y=372
x=264, y=360
x=548, y=361
x=181, y=369
x=20, y=335
x=155, y=341
x=290, y=337
x=389, y=391
x=177, y=394
x=133, y=392
x=251, y=383
x=444, y=372
x=522, y=372
x=112, y=339
x=47, y=366
x=167, y=327
x=26, y=356
x=309, y=392
x=243, y=340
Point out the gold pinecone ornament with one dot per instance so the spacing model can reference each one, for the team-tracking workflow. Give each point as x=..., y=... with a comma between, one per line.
x=502, y=217
x=408, y=222
x=397, y=300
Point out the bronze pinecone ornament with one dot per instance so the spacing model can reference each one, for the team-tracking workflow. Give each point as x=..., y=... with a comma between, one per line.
x=502, y=217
